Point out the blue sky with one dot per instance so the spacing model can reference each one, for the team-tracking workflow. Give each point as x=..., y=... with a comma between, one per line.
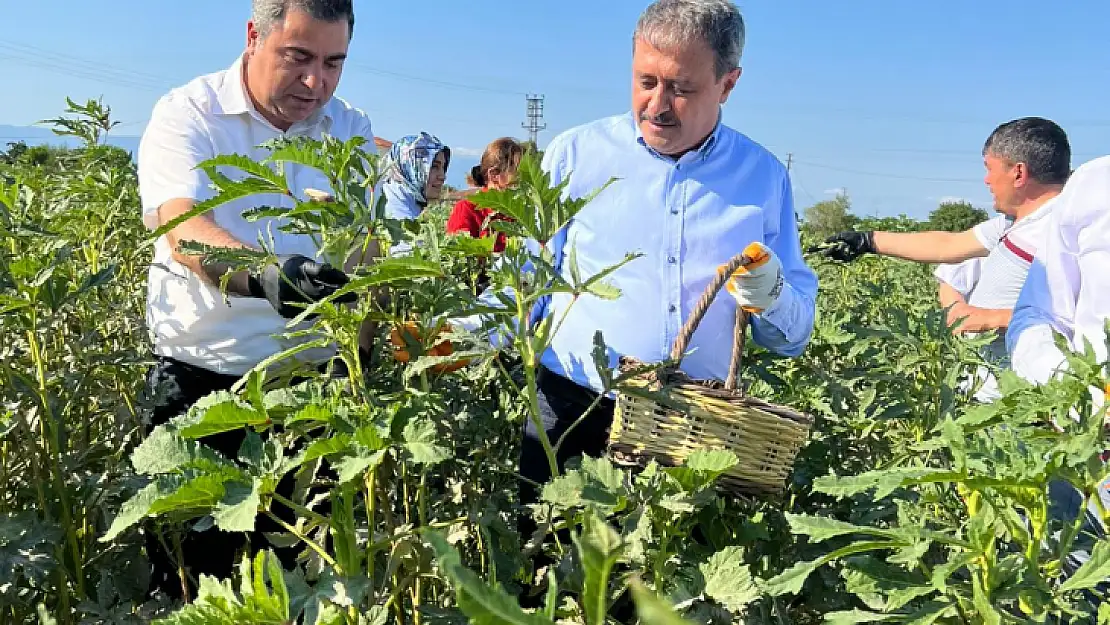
x=888, y=100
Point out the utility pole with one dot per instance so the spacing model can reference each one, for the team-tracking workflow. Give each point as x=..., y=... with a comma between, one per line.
x=535, y=118
x=789, y=162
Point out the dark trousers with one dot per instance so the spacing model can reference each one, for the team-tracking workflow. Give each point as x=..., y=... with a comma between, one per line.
x=172, y=387
x=562, y=403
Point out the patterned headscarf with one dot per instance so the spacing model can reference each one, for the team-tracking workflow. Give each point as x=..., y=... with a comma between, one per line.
x=409, y=162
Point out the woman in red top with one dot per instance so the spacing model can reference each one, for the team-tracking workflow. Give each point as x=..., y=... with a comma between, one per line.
x=496, y=170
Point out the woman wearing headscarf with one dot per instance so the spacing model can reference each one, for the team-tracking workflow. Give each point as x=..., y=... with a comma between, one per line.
x=414, y=172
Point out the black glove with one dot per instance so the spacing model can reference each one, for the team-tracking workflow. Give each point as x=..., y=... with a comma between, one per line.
x=847, y=246
x=297, y=279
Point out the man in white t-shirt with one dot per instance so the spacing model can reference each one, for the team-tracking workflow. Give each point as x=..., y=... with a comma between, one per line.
x=1068, y=292
x=281, y=85
x=1027, y=162
x=1068, y=288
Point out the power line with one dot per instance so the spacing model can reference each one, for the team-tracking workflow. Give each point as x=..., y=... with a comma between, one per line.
x=432, y=81
x=74, y=61
x=88, y=74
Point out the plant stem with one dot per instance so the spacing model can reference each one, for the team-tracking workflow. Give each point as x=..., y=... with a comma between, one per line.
x=371, y=501
x=52, y=436
x=303, y=511
x=579, y=420
x=530, y=363
x=303, y=538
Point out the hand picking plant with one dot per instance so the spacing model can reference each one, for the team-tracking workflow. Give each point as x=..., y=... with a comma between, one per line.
x=371, y=451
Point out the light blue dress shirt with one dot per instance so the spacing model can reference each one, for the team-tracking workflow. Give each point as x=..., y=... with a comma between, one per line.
x=687, y=218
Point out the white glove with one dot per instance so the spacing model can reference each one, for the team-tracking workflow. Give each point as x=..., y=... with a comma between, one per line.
x=756, y=286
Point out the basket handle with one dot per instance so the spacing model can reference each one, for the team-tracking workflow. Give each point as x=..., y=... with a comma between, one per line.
x=682, y=341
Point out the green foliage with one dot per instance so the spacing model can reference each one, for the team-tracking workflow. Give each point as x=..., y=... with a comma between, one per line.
x=828, y=217
x=956, y=216
x=909, y=503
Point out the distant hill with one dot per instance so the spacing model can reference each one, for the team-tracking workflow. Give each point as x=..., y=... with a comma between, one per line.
x=35, y=135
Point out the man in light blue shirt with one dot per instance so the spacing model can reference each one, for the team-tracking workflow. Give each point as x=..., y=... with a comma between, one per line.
x=691, y=194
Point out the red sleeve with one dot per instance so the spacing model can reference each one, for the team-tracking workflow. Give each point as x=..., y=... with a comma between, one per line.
x=464, y=218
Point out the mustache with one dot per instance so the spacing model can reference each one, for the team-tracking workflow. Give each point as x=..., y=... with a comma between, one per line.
x=663, y=119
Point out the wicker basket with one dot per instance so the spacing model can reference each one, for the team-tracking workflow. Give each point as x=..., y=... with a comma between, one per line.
x=664, y=415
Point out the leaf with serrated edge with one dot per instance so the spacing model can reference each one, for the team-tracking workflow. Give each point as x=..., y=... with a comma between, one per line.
x=792, y=579
x=1093, y=572
x=420, y=442
x=237, y=511
x=224, y=417
x=164, y=451
x=728, y=580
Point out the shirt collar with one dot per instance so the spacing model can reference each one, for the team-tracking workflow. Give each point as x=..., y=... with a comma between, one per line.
x=703, y=152
x=232, y=99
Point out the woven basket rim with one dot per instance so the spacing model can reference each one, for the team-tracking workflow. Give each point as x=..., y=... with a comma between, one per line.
x=678, y=379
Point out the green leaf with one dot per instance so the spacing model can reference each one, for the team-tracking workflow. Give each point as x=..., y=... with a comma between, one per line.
x=483, y=604
x=596, y=284
x=376, y=615
x=237, y=511
x=728, y=580
x=328, y=447
x=229, y=190
x=884, y=482
x=199, y=494
x=300, y=150
x=599, y=548
x=1093, y=572
x=165, y=451
x=792, y=579
x=984, y=607
x=596, y=482
x=702, y=468
x=246, y=164
x=883, y=586
x=652, y=610
x=224, y=417
x=858, y=616
x=420, y=442
x=821, y=529
x=350, y=467
x=134, y=510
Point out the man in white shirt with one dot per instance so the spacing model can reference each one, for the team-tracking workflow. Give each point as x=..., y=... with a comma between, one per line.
x=281, y=85
x=1068, y=288
x=1027, y=162
x=1068, y=292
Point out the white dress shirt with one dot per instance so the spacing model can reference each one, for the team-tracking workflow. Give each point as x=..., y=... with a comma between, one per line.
x=190, y=320
x=1068, y=288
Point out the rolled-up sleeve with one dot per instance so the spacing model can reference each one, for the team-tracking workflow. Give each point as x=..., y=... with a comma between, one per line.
x=787, y=325
x=1067, y=290
x=171, y=147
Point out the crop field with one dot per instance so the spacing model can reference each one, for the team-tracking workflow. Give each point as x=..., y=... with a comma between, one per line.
x=908, y=503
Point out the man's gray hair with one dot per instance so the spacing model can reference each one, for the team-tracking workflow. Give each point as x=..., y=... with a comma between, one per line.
x=268, y=13
x=1039, y=143
x=718, y=23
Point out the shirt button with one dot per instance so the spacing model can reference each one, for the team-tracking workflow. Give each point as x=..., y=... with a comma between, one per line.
x=674, y=211
x=673, y=308
x=672, y=260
